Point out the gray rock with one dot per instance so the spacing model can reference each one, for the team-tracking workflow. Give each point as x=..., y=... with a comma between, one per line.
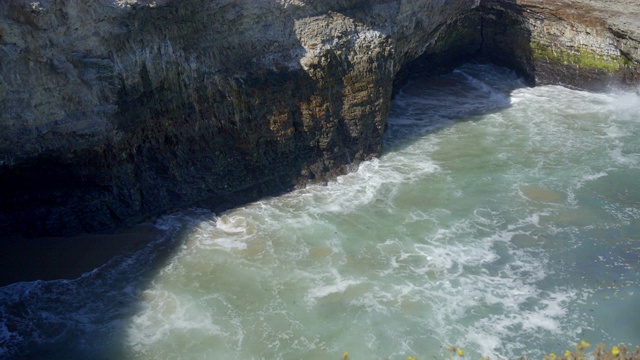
x=115, y=110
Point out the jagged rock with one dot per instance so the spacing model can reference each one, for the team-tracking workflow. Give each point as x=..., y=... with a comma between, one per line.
x=113, y=110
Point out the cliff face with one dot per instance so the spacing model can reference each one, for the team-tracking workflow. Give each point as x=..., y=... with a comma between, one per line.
x=113, y=110
x=585, y=43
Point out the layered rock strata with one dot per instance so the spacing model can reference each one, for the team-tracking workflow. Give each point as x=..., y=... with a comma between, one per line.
x=113, y=110
x=584, y=43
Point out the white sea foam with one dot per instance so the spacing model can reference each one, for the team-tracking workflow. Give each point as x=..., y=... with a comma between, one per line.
x=625, y=105
x=166, y=313
x=228, y=232
x=632, y=160
x=615, y=131
x=543, y=319
x=336, y=284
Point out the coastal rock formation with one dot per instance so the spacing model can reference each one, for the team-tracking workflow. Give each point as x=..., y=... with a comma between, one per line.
x=114, y=110
x=584, y=43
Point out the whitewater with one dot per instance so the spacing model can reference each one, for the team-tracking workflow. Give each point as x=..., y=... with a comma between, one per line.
x=501, y=218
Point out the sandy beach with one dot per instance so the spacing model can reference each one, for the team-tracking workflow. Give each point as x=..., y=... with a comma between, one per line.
x=48, y=258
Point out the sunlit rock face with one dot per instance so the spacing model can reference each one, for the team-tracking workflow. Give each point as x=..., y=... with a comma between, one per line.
x=585, y=43
x=115, y=110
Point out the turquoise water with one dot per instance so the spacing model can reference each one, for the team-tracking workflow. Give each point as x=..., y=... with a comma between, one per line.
x=501, y=219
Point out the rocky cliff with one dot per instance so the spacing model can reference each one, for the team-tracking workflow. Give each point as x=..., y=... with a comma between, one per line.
x=113, y=110
x=585, y=43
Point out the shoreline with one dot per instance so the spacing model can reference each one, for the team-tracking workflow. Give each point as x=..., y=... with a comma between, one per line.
x=54, y=258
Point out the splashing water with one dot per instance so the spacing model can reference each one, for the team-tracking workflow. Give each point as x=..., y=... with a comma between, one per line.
x=502, y=219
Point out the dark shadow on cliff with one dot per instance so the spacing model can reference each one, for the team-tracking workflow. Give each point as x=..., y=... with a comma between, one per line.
x=194, y=118
x=506, y=38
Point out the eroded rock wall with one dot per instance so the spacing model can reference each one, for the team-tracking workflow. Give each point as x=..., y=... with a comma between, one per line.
x=585, y=43
x=115, y=110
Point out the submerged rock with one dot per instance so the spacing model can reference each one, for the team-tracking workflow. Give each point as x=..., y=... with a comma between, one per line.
x=114, y=110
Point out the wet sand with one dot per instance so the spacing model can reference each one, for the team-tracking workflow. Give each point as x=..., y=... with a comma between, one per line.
x=48, y=258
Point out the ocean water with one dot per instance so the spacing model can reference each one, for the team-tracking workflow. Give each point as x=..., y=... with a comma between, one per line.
x=501, y=219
